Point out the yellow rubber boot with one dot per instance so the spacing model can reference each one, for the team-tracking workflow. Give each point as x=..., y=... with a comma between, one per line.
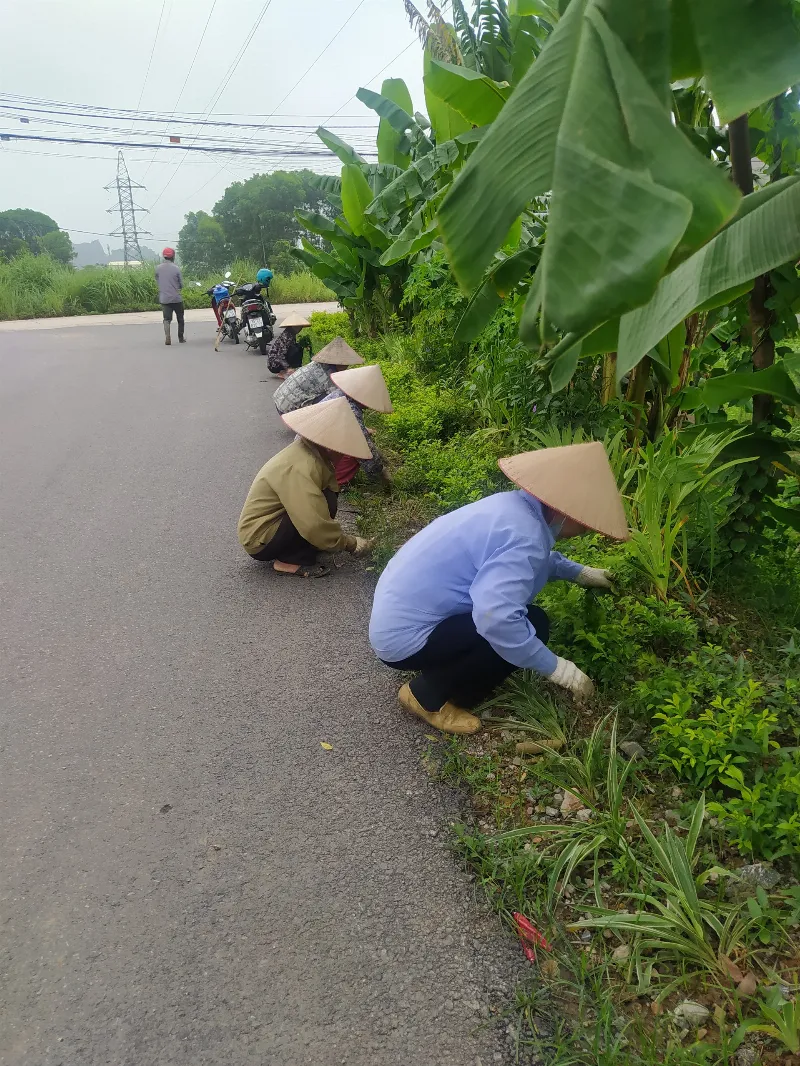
x=448, y=719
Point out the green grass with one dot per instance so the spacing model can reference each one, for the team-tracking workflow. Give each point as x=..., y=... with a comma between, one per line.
x=39, y=287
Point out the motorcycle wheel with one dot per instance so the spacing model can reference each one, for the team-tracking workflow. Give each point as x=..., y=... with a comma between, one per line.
x=262, y=344
x=236, y=336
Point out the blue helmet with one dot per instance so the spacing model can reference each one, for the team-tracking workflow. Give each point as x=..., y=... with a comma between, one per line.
x=264, y=276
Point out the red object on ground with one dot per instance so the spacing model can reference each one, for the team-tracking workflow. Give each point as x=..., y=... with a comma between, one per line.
x=346, y=469
x=530, y=937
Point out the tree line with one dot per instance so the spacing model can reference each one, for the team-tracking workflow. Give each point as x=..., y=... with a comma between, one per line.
x=254, y=219
x=23, y=231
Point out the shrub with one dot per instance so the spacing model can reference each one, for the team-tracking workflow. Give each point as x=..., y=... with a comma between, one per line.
x=704, y=745
x=763, y=819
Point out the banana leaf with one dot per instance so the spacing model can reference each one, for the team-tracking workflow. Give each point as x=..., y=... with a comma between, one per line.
x=749, y=52
x=759, y=240
x=356, y=197
x=474, y=96
x=715, y=392
x=412, y=185
x=627, y=187
x=339, y=147
x=394, y=106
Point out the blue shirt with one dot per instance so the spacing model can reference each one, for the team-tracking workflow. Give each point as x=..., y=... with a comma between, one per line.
x=490, y=558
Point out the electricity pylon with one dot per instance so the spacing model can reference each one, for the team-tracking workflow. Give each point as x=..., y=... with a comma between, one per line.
x=127, y=211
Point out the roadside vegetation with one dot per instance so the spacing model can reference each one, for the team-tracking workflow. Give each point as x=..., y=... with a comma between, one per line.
x=40, y=287
x=646, y=848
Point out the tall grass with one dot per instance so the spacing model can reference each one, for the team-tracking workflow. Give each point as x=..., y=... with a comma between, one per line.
x=39, y=287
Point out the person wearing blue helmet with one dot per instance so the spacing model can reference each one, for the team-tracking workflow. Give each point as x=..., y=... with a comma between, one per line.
x=264, y=277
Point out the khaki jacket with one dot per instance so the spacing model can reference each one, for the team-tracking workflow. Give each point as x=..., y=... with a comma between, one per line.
x=292, y=483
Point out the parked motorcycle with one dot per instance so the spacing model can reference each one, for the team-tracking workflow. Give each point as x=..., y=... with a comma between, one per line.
x=257, y=316
x=227, y=317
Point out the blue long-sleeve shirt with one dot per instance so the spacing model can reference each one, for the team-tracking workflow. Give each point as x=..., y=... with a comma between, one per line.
x=490, y=558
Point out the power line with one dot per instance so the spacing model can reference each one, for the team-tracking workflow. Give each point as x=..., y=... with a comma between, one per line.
x=302, y=76
x=353, y=97
x=149, y=115
x=208, y=148
x=152, y=53
x=185, y=80
x=224, y=84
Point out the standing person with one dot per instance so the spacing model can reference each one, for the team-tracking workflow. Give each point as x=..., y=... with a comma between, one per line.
x=313, y=381
x=455, y=602
x=364, y=386
x=289, y=515
x=285, y=353
x=170, y=294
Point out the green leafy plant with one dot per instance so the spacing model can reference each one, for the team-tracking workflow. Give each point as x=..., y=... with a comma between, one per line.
x=599, y=778
x=669, y=481
x=731, y=732
x=675, y=920
x=762, y=816
x=779, y=1018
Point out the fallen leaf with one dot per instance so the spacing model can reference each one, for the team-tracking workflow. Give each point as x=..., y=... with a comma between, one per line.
x=701, y=1033
x=748, y=985
x=656, y=1007
x=731, y=968
x=428, y=736
x=327, y=747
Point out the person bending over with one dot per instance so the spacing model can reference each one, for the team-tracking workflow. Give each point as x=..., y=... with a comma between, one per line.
x=285, y=352
x=364, y=386
x=289, y=515
x=455, y=602
x=313, y=381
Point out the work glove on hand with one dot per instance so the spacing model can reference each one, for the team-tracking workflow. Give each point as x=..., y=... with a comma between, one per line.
x=591, y=578
x=568, y=676
x=363, y=546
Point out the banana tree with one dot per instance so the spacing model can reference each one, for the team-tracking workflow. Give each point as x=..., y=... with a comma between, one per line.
x=631, y=196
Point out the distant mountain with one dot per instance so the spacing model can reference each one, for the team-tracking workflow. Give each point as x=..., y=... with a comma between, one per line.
x=92, y=253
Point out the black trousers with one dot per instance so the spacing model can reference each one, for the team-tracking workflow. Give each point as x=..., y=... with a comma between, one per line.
x=287, y=544
x=178, y=309
x=459, y=665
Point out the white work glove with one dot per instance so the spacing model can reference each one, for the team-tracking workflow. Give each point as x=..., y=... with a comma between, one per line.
x=363, y=546
x=568, y=676
x=591, y=578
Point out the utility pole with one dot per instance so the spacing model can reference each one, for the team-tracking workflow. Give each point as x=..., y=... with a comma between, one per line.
x=127, y=211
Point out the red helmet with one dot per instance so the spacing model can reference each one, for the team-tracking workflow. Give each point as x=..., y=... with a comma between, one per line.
x=169, y=253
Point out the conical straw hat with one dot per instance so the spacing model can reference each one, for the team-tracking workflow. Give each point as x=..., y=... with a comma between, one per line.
x=331, y=424
x=295, y=319
x=365, y=385
x=576, y=480
x=338, y=353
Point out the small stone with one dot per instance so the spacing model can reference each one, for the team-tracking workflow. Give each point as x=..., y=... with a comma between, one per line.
x=677, y=793
x=584, y=815
x=748, y=878
x=746, y=1056
x=621, y=953
x=656, y=1007
x=748, y=985
x=702, y=1032
x=672, y=817
x=633, y=749
x=571, y=803
x=691, y=1014
x=551, y=812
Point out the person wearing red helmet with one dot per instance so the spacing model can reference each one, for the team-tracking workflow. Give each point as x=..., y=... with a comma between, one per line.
x=170, y=296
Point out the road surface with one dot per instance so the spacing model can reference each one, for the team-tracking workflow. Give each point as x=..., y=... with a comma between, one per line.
x=187, y=876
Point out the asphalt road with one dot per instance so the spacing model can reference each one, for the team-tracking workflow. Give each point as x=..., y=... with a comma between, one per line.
x=186, y=876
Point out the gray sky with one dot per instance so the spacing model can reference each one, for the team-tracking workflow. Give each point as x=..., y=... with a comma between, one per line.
x=96, y=52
